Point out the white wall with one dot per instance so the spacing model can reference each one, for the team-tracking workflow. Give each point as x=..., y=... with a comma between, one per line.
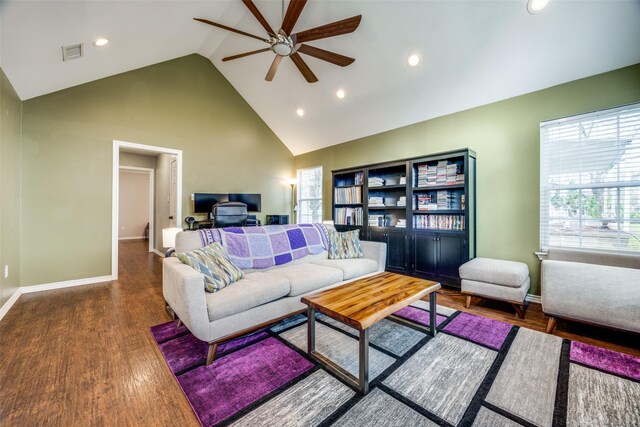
x=134, y=203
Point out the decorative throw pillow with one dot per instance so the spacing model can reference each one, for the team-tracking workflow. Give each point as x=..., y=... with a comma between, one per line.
x=345, y=245
x=214, y=263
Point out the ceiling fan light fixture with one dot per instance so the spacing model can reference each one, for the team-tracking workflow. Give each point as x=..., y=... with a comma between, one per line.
x=340, y=94
x=300, y=112
x=413, y=60
x=536, y=6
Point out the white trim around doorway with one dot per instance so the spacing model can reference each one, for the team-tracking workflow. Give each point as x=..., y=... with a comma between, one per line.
x=142, y=149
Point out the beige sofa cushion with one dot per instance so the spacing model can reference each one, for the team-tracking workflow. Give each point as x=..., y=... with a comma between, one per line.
x=351, y=267
x=308, y=277
x=254, y=290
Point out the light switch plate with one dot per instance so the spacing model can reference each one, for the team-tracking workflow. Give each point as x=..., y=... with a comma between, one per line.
x=6, y=271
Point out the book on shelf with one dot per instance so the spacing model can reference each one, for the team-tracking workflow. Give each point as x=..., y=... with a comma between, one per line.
x=377, y=221
x=402, y=201
x=402, y=223
x=359, y=178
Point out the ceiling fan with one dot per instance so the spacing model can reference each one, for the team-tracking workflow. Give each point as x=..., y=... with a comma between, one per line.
x=285, y=43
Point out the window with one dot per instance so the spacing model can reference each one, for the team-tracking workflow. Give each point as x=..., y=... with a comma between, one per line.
x=309, y=195
x=590, y=181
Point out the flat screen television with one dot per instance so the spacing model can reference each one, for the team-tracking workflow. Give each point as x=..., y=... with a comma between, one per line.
x=203, y=202
x=253, y=201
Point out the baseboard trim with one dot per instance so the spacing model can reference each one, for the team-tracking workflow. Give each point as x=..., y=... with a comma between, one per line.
x=7, y=305
x=65, y=284
x=536, y=299
x=132, y=238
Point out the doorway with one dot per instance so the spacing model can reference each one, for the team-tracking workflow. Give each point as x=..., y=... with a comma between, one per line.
x=136, y=204
x=164, y=193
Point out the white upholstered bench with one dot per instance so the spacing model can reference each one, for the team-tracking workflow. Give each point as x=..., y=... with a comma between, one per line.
x=496, y=279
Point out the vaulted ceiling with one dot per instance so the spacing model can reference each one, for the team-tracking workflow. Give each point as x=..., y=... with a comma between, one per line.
x=472, y=53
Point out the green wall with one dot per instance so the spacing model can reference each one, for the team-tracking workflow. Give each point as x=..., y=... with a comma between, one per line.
x=506, y=137
x=10, y=142
x=183, y=104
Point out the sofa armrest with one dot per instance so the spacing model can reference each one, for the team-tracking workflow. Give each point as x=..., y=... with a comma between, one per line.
x=376, y=251
x=183, y=289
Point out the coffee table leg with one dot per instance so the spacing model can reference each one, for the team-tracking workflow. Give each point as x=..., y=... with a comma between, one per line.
x=364, y=361
x=311, y=331
x=432, y=314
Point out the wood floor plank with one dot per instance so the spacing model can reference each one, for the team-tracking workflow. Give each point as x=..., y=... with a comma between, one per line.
x=84, y=355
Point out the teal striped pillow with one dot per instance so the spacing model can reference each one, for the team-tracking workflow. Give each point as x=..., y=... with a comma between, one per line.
x=345, y=245
x=212, y=261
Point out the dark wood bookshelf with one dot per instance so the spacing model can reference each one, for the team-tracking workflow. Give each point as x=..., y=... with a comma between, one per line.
x=431, y=253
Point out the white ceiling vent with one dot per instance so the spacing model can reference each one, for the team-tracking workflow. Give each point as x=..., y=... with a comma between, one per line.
x=72, y=51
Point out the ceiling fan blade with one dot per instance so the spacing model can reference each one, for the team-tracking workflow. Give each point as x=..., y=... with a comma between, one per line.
x=254, y=10
x=304, y=68
x=325, y=55
x=293, y=13
x=274, y=67
x=242, y=55
x=337, y=28
x=233, y=30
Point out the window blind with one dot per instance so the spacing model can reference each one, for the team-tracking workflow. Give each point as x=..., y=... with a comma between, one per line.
x=590, y=181
x=309, y=195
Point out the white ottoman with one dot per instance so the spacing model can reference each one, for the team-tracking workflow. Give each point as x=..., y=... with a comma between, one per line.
x=496, y=279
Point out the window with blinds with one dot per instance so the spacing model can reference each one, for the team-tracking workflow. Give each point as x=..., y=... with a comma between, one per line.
x=309, y=195
x=590, y=181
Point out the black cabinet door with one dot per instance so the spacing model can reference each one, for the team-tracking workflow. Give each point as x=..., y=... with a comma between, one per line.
x=451, y=253
x=396, y=251
x=425, y=251
x=396, y=248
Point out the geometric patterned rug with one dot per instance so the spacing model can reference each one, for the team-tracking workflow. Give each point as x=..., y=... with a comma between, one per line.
x=475, y=372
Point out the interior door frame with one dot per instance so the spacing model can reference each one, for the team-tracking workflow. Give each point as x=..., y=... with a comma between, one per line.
x=151, y=173
x=115, y=190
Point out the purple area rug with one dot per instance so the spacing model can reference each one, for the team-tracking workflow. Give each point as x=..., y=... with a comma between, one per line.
x=265, y=378
x=481, y=330
x=245, y=370
x=621, y=364
x=418, y=315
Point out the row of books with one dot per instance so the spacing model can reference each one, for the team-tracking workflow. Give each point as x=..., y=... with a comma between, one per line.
x=348, y=216
x=439, y=222
x=376, y=202
x=402, y=201
x=377, y=221
x=444, y=173
x=348, y=195
x=402, y=223
x=443, y=200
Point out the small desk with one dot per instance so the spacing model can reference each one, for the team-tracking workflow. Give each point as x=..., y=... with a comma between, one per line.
x=362, y=303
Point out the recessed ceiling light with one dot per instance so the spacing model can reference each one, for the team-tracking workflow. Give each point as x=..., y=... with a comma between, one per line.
x=413, y=60
x=536, y=6
x=340, y=93
x=300, y=112
x=100, y=42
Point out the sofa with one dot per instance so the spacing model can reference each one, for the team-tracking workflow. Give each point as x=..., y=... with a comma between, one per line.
x=597, y=288
x=262, y=297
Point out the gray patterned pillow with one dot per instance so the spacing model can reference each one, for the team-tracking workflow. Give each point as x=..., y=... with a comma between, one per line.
x=344, y=245
x=212, y=261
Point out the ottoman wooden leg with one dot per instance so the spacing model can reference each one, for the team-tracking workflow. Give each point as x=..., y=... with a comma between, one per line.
x=467, y=304
x=520, y=310
x=551, y=324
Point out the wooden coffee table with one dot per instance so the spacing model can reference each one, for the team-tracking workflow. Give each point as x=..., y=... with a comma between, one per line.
x=362, y=303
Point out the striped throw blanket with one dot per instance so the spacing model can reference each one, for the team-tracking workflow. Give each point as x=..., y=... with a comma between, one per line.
x=268, y=246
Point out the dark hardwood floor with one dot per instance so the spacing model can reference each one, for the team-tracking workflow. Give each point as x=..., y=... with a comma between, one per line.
x=84, y=355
